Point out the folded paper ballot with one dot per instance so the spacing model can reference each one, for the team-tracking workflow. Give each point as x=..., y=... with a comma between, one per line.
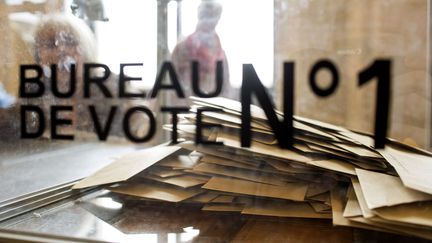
x=331, y=173
x=381, y=190
x=290, y=191
x=126, y=167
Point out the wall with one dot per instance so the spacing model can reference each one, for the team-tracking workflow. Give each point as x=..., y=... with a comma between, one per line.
x=352, y=33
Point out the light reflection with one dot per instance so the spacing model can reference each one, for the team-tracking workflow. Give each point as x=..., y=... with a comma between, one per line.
x=172, y=238
x=108, y=203
x=139, y=238
x=189, y=234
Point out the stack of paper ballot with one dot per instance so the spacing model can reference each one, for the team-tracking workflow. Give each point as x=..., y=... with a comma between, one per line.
x=331, y=172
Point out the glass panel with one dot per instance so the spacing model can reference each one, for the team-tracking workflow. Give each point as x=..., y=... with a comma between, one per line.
x=91, y=100
x=352, y=34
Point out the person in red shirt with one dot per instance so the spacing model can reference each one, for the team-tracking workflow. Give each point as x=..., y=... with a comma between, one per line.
x=205, y=47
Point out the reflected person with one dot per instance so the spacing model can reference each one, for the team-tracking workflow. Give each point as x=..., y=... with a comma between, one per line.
x=65, y=40
x=203, y=46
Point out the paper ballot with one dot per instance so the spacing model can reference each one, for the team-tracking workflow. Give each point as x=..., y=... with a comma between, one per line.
x=331, y=173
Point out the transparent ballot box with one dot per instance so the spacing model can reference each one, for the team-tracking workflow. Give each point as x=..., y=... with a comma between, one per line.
x=215, y=121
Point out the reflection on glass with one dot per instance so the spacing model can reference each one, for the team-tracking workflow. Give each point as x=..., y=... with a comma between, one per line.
x=63, y=41
x=189, y=234
x=107, y=203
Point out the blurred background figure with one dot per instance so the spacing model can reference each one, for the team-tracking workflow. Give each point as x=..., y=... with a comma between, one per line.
x=63, y=40
x=205, y=47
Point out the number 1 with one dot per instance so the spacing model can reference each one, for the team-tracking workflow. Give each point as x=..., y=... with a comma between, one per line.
x=381, y=69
